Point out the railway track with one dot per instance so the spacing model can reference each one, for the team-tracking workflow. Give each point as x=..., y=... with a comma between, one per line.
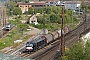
x=70, y=38
x=52, y=49
x=36, y=55
x=49, y=54
x=3, y=33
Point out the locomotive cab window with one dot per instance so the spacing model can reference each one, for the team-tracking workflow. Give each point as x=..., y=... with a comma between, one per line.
x=7, y=27
x=30, y=45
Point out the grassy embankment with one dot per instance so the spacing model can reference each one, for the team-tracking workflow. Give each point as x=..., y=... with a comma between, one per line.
x=15, y=34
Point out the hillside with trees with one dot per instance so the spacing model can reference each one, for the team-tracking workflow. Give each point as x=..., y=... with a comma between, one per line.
x=78, y=52
x=52, y=15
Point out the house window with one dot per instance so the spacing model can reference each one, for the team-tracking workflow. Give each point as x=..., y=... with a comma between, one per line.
x=20, y=6
x=34, y=21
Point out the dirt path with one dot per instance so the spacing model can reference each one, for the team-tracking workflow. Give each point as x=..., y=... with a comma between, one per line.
x=33, y=31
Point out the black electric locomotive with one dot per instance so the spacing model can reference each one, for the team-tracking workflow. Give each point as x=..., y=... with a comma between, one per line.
x=35, y=44
x=41, y=41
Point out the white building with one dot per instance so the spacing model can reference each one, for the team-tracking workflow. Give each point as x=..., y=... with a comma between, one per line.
x=33, y=19
x=72, y=5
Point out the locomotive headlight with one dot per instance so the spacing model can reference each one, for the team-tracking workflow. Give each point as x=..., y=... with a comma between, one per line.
x=29, y=48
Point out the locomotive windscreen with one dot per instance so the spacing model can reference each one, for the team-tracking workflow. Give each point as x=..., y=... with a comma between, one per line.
x=29, y=44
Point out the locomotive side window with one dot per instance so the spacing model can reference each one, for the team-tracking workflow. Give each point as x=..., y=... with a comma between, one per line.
x=38, y=44
x=42, y=42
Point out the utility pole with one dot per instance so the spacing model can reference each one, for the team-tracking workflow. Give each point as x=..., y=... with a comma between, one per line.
x=62, y=42
x=72, y=15
x=44, y=23
x=8, y=5
x=85, y=16
x=72, y=8
x=2, y=15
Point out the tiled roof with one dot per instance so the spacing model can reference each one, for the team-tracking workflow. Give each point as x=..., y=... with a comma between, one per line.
x=72, y=2
x=87, y=2
x=38, y=3
x=20, y=3
x=35, y=3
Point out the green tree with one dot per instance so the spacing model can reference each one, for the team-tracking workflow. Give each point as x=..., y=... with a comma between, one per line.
x=38, y=10
x=59, y=10
x=17, y=11
x=83, y=5
x=76, y=52
x=31, y=10
x=79, y=52
x=26, y=1
x=89, y=7
x=54, y=9
x=12, y=8
x=67, y=19
x=87, y=50
x=13, y=4
x=48, y=10
x=54, y=18
x=40, y=19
